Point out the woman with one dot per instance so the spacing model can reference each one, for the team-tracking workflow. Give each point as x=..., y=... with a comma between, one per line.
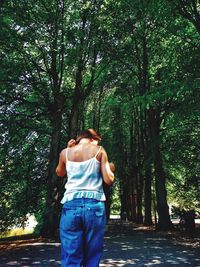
x=83, y=216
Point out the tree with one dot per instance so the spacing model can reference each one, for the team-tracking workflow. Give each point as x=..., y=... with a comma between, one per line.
x=128, y=69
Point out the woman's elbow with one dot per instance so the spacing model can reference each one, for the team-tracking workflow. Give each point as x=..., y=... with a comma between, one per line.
x=59, y=172
x=110, y=180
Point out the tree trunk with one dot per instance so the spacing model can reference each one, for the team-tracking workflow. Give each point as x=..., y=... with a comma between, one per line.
x=133, y=206
x=76, y=103
x=124, y=195
x=73, y=123
x=108, y=193
x=51, y=217
x=147, y=198
x=164, y=222
x=139, y=199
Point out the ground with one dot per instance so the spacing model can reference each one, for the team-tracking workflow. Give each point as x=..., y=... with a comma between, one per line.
x=125, y=245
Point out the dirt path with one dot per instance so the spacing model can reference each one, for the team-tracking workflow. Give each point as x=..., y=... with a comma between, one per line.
x=128, y=247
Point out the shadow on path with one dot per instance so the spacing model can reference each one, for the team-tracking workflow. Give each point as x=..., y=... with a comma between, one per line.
x=34, y=254
x=149, y=249
x=122, y=248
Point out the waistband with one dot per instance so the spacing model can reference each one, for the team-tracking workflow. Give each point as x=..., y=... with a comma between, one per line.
x=81, y=202
x=68, y=196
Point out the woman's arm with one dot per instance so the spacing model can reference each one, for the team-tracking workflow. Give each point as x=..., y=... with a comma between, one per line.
x=112, y=166
x=107, y=173
x=61, y=168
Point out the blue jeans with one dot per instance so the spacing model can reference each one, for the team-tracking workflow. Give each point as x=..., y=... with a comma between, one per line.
x=82, y=227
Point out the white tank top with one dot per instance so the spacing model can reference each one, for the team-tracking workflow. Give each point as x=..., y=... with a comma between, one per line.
x=84, y=180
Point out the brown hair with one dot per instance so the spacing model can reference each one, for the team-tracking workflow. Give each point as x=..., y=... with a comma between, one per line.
x=88, y=133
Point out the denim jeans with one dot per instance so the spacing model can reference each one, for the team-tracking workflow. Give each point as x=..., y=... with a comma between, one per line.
x=82, y=226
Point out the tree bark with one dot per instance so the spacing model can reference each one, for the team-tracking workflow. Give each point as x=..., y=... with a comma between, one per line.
x=147, y=198
x=139, y=187
x=76, y=103
x=124, y=199
x=164, y=222
x=51, y=217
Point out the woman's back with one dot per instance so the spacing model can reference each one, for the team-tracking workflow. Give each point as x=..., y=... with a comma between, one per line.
x=83, y=149
x=84, y=173
x=83, y=152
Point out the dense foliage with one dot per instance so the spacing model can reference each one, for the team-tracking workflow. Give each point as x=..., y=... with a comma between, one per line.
x=130, y=70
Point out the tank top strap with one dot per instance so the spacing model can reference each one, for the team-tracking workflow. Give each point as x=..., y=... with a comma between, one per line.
x=97, y=152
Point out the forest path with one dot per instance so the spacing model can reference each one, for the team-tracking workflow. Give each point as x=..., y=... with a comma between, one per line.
x=124, y=246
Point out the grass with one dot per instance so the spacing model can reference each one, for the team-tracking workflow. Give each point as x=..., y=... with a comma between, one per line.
x=16, y=232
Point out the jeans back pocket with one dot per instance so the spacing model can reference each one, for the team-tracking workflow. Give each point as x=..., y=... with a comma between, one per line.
x=70, y=219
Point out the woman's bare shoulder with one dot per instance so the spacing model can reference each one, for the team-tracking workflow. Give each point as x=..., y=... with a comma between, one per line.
x=63, y=154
